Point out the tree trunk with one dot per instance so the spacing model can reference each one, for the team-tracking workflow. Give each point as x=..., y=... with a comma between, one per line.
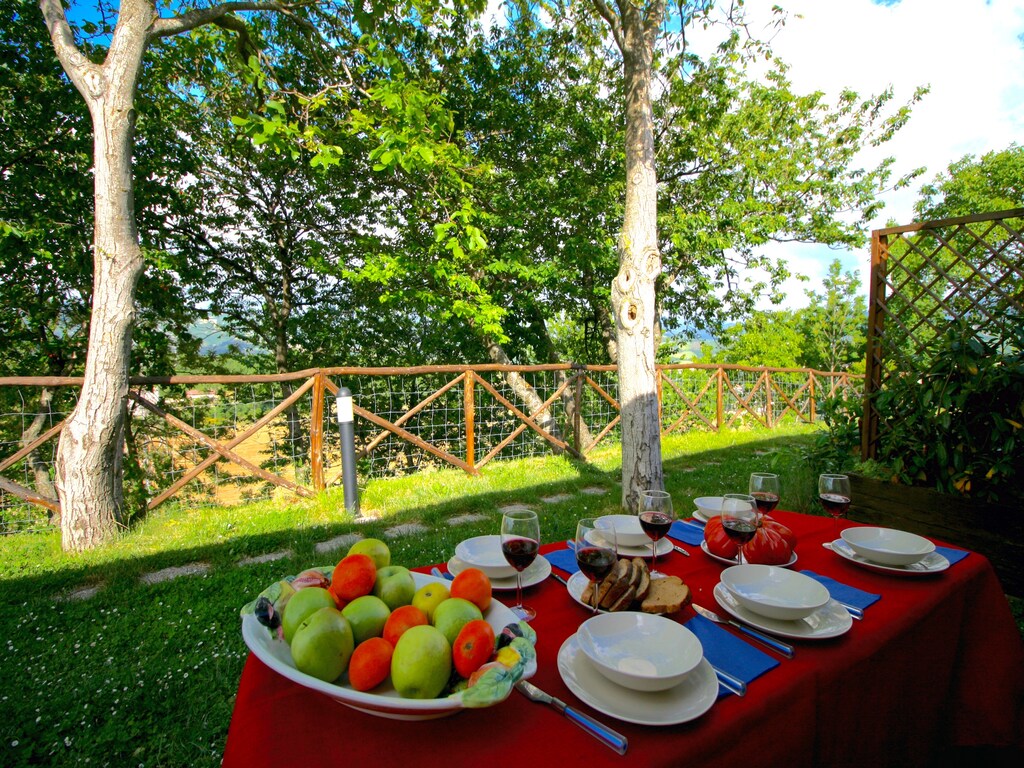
x=633, y=289
x=89, y=453
x=40, y=470
x=525, y=393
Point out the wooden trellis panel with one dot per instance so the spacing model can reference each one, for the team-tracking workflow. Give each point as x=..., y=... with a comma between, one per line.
x=925, y=277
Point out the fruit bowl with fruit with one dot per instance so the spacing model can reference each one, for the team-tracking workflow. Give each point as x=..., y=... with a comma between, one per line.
x=390, y=642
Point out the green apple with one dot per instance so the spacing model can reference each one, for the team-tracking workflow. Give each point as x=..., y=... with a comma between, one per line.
x=421, y=663
x=429, y=596
x=452, y=615
x=375, y=548
x=367, y=615
x=395, y=585
x=301, y=605
x=323, y=644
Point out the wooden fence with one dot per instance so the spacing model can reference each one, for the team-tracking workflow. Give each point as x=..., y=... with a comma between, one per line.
x=223, y=439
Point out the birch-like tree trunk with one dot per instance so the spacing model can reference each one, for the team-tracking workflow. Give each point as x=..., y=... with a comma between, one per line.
x=635, y=27
x=90, y=450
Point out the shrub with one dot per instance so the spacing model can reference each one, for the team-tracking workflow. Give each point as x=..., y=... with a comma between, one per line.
x=958, y=424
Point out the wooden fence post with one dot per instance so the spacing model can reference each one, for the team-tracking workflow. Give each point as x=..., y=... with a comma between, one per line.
x=316, y=433
x=577, y=398
x=810, y=388
x=769, y=411
x=719, y=404
x=469, y=406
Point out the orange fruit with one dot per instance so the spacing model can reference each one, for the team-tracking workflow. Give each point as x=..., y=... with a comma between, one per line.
x=472, y=584
x=473, y=647
x=353, y=577
x=401, y=619
x=370, y=663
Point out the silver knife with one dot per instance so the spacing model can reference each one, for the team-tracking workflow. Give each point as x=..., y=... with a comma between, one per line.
x=776, y=645
x=598, y=730
x=729, y=682
x=680, y=550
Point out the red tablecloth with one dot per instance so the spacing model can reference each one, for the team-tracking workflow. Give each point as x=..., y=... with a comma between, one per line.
x=937, y=664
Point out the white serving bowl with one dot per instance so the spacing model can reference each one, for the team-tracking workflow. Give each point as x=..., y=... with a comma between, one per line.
x=775, y=592
x=709, y=506
x=484, y=552
x=640, y=651
x=628, y=532
x=887, y=546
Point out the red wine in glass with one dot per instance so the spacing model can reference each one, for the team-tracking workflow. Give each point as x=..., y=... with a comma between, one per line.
x=595, y=562
x=766, y=501
x=740, y=531
x=655, y=524
x=520, y=553
x=835, y=504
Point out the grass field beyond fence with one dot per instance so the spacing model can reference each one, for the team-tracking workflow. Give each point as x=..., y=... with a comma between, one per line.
x=145, y=674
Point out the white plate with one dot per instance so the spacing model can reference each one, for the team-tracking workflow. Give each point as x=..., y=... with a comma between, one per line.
x=686, y=701
x=775, y=592
x=735, y=560
x=887, y=546
x=534, y=574
x=831, y=621
x=628, y=532
x=926, y=566
x=578, y=583
x=385, y=701
x=700, y=516
x=484, y=552
x=664, y=547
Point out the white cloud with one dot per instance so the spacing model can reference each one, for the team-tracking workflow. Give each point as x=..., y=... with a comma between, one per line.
x=971, y=54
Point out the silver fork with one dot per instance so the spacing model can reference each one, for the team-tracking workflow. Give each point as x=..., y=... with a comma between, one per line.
x=599, y=731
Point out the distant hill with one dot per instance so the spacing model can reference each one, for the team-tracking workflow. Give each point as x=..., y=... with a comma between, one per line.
x=216, y=340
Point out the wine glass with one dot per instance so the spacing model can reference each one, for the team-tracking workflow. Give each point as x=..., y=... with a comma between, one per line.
x=596, y=553
x=520, y=542
x=656, y=517
x=739, y=519
x=764, y=487
x=834, y=494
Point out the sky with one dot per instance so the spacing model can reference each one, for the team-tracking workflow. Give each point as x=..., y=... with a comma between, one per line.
x=971, y=54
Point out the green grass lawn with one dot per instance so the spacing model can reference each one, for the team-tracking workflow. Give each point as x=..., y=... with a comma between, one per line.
x=145, y=674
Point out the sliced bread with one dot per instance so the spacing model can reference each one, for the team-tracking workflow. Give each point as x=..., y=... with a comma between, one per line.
x=666, y=595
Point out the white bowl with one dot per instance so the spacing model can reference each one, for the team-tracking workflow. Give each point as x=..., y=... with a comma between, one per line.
x=709, y=506
x=640, y=651
x=628, y=532
x=775, y=592
x=887, y=546
x=484, y=552
x=384, y=700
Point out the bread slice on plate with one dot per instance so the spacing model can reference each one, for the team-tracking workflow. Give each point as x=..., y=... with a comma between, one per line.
x=622, y=573
x=666, y=595
x=645, y=578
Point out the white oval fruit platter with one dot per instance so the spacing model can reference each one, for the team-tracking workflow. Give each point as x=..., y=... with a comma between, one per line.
x=384, y=701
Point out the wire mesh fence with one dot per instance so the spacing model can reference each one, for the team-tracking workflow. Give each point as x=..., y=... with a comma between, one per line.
x=210, y=441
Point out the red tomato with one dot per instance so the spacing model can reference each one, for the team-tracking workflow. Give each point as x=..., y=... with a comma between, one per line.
x=772, y=544
x=473, y=647
x=718, y=540
x=768, y=547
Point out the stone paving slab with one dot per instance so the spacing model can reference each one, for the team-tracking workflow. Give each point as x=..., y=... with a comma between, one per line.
x=191, y=569
x=338, y=542
x=515, y=508
x=268, y=557
x=85, y=593
x=405, y=530
x=464, y=519
x=558, y=498
x=594, y=491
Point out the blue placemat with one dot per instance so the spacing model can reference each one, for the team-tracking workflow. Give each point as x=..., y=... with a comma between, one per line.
x=729, y=653
x=844, y=593
x=953, y=555
x=563, y=559
x=686, y=533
